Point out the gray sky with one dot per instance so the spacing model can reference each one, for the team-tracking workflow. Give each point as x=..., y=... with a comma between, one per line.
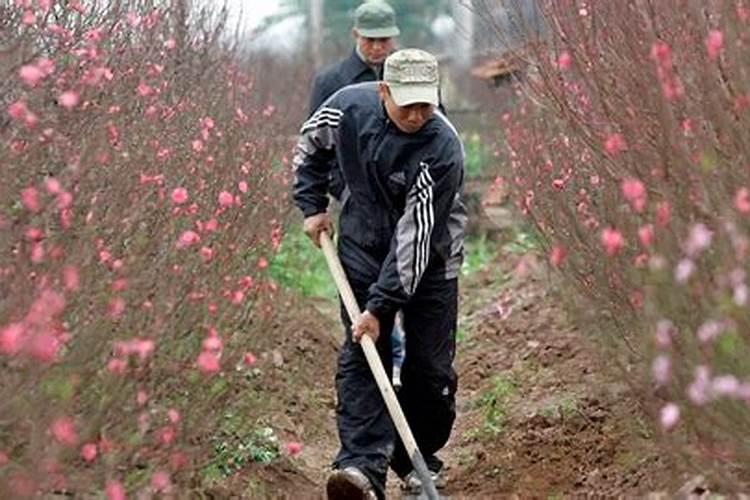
x=252, y=11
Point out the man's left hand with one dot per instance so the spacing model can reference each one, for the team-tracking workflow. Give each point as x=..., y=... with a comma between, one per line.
x=366, y=324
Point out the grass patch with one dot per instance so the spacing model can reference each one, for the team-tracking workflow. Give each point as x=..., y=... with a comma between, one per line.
x=299, y=265
x=564, y=409
x=494, y=404
x=479, y=252
x=233, y=451
x=478, y=156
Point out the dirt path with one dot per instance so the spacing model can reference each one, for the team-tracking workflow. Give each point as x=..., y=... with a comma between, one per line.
x=537, y=417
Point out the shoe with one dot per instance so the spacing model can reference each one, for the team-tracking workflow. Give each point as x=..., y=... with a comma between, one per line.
x=349, y=484
x=412, y=485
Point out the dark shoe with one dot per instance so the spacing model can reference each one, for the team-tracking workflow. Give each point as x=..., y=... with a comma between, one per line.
x=349, y=484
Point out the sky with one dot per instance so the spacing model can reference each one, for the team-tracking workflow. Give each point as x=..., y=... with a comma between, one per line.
x=253, y=11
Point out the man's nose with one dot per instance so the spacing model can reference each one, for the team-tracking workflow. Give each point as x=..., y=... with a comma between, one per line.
x=415, y=114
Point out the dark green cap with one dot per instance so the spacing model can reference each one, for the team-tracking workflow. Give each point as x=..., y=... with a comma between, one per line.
x=375, y=19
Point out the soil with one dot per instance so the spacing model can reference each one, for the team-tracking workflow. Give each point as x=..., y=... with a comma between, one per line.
x=539, y=415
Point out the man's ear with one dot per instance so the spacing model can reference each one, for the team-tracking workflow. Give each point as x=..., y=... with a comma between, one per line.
x=383, y=90
x=355, y=34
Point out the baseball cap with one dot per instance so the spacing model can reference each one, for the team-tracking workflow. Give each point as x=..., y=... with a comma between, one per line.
x=375, y=19
x=412, y=75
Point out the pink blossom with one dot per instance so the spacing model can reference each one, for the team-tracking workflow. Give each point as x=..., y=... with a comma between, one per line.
x=661, y=368
x=63, y=430
x=116, y=307
x=144, y=90
x=18, y=110
x=188, y=238
x=242, y=186
x=89, y=452
x=237, y=297
x=64, y=200
x=179, y=195
x=212, y=343
x=115, y=491
x=166, y=435
x=564, y=61
x=742, y=201
x=208, y=362
x=143, y=348
x=31, y=75
x=699, y=390
x=663, y=213
x=197, y=145
x=294, y=448
x=635, y=193
x=133, y=19
x=684, y=270
x=173, y=415
x=141, y=398
x=69, y=99
x=31, y=120
x=30, y=199
x=698, y=240
x=117, y=366
x=557, y=255
x=709, y=330
x=4, y=460
x=249, y=359
x=262, y=263
x=665, y=332
x=170, y=44
x=37, y=252
x=725, y=385
x=211, y=225
x=45, y=5
x=612, y=241
x=28, y=17
x=669, y=416
x=161, y=481
x=646, y=235
x=225, y=199
x=207, y=254
x=44, y=347
x=714, y=43
x=11, y=338
x=740, y=294
x=615, y=144
x=53, y=186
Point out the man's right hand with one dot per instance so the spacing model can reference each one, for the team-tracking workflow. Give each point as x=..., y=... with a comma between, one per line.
x=316, y=224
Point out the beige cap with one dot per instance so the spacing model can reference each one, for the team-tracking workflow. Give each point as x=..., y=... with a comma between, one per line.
x=412, y=75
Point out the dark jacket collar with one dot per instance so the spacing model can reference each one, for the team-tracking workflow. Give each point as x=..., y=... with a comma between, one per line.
x=355, y=66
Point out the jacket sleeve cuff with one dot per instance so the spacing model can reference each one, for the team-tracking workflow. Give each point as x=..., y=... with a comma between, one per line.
x=309, y=211
x=381, y=308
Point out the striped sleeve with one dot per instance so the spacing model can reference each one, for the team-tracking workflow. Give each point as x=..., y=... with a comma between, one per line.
x=415, y=230
x=429, y=205
x=312, y=159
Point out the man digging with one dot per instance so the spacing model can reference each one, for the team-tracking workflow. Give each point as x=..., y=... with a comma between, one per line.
x=401, y=232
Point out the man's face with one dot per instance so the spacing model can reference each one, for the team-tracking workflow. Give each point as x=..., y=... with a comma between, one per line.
x=409, y=119
x=375, y=50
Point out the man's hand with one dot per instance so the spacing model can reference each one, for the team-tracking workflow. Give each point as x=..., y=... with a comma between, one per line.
x=366, y=324
x=316, y=224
